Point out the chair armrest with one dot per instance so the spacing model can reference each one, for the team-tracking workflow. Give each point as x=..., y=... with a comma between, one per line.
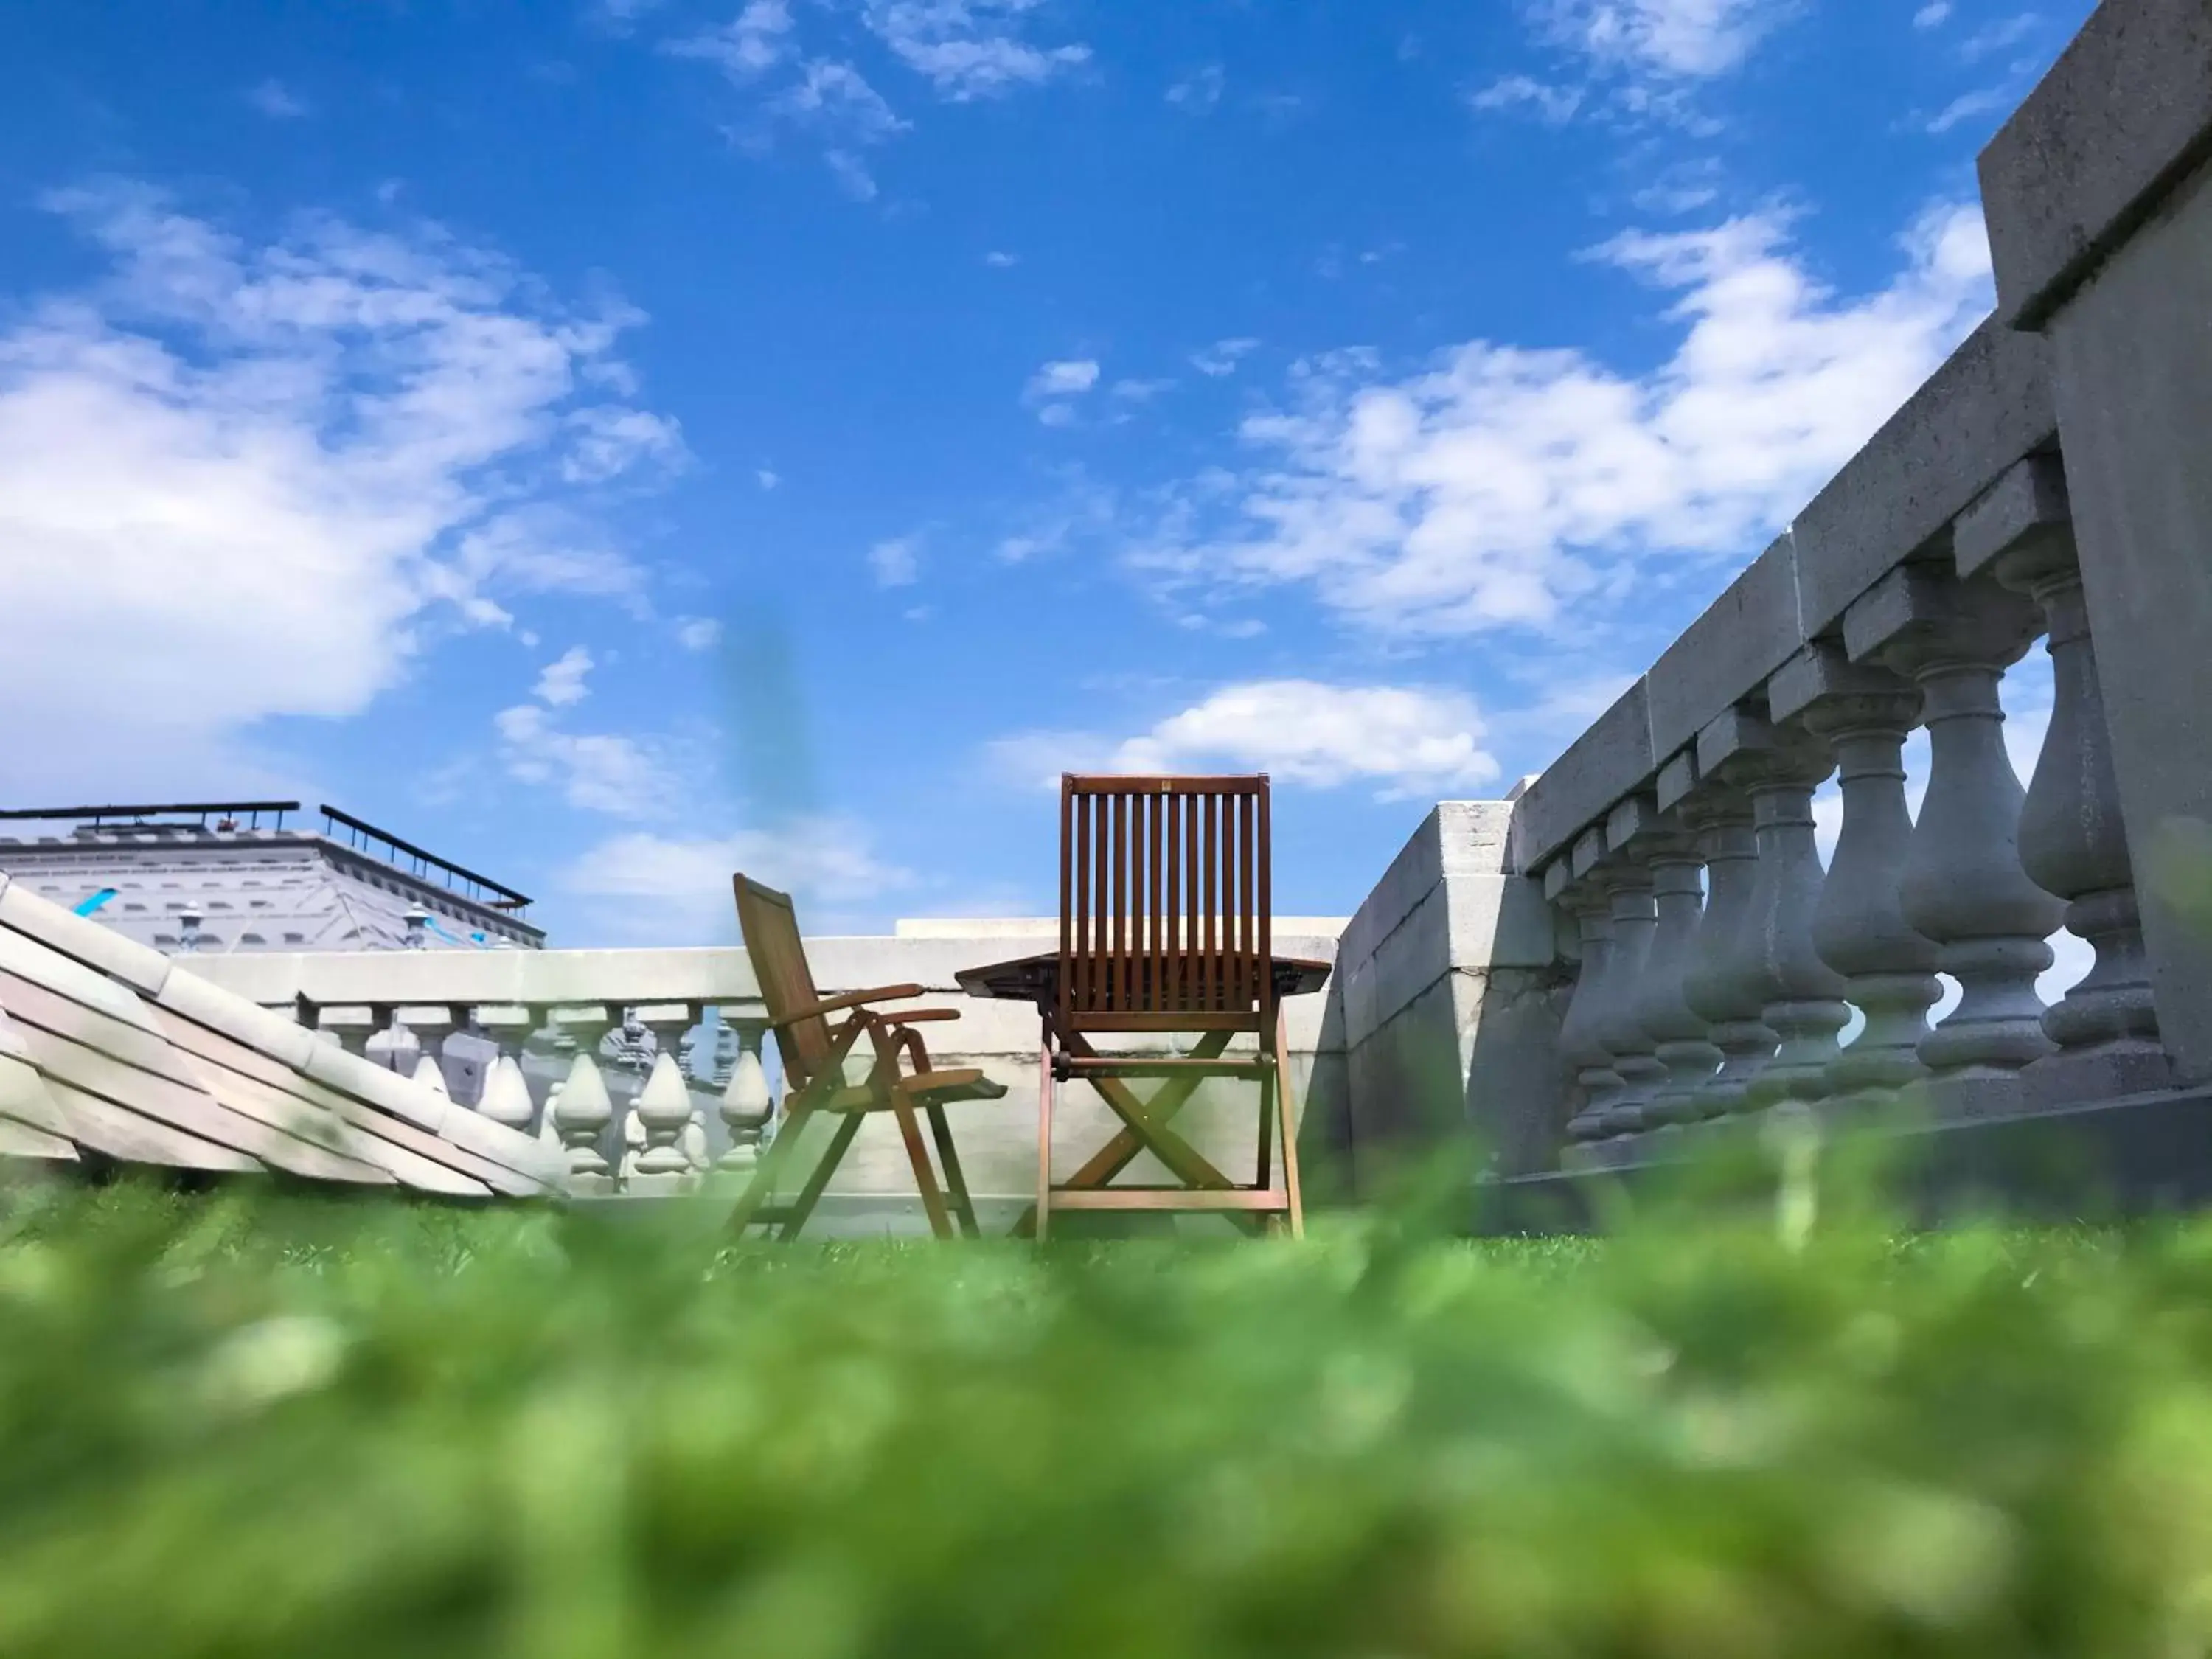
x=849, y=999
x=912, y=1016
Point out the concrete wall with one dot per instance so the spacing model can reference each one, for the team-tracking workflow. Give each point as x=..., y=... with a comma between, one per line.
x=1450, y=989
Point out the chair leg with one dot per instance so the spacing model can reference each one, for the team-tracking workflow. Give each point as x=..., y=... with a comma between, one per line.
x=1044, y=1143
x=809, y=1195
x=766, y=1173
x=925, y=1178
x=1286, y=1109
x=940, y=1131
x=1265, y=1178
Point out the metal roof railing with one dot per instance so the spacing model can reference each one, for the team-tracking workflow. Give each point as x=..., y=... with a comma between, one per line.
x=364, y=837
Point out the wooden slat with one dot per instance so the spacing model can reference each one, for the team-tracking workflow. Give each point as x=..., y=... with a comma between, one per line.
x=1263, y=978
x=1248, y=927
x=413, y=1157
x=1172, y=1019
x=1070, y=859
x=1102, y=943
x=1120, y=900
x=181, y=1106
x=22, y=1140
x=131, y=1138
x=1155, y=951
x=1208, y=978
x=1232, y=1199
x=1083, y=930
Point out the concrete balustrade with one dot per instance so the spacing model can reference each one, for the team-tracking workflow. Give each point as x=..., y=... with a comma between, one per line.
x=2049, y=481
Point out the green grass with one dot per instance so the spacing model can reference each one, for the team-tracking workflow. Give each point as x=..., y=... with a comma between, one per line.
x=300, y=1428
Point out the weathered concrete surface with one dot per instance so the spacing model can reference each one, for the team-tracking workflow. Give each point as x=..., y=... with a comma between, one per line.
x=1987, y=406
x=2133, y=348
x=1449, y=985
x=1600, y=766
x=2123, y=114
x=1743, y=637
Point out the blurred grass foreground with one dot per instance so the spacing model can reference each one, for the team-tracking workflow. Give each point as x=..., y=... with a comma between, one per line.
x=289, y=1426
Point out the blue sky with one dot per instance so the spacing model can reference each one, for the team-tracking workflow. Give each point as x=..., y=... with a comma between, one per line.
x=616, y=441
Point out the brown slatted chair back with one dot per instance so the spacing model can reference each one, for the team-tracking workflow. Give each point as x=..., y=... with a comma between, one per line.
x=770, y=928
x=1164, y=905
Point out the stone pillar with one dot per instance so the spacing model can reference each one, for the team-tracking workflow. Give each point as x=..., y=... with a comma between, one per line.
x=352, y=1026
x=1681, y=1037
x=1581, y=1044
x=392, y=1045
x=430, y=1027
x=1859, y=928
x=1726, y=987
x=506, y=1092
x=583, y=1111
x=2073, y=842
x=747, y=1106
x=1802, y=997
x=1963, y=886
x=663, y=1106
x=2101, y=224
x=1632, y=832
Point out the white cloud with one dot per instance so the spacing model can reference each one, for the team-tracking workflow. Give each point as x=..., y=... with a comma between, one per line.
x=1684, y=39
x=1966, y=106
x=1001, y=261
x=767, y=479
x=1140, y=391
x=698, y=632
x=1998, y=37
x=837, y=98
x=1500, y=484
x=750, y=44
x=1932, y=16
x=1222, y=357
x=620, y=776
x=241, y=481
x=1060, y=380
x=608, y=440
x=1404, y=741
x=897, y=562
x=968, y=48
x=562, y=682
x=1555, y=106
x=666, y=888
x=851, y=174
x=1055, y=382
x=1200, y=90
x=277, y=101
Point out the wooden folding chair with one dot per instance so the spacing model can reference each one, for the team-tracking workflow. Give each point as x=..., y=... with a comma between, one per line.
x=815, y=1083
x=1165, y=926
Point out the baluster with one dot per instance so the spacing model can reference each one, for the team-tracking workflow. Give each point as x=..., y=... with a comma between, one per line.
x=352, y=1026
x=1963, y=886
x=663, y=1107
x=747, y=1106
x=506, y=1091
x=2072, y=842
x=1803, y=997
x=1587, y=1057
x=1680, y=1035
x=583, y=1111
x=1859, y=929
x=430, y=1027
x=1631, y=831
x=391, y=1045
x=1726, y=987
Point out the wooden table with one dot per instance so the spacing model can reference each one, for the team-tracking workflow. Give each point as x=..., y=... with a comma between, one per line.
x=1144, y=1119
